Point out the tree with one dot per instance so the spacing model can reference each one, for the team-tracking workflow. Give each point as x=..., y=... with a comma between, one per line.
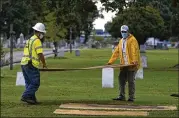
x=175, y=19
x=58, y=16
x=143, y=22
x=107, y=26
x=21, y=14
x=72, y=13
x=164, y=7
x=114, y=5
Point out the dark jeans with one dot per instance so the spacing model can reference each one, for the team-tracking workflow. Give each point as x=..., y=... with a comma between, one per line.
x=32, y=80
x=127, y=76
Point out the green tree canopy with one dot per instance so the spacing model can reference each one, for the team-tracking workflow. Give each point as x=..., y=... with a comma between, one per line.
x=58, y=16
x=163, y=6
x=143, y=22
x=77, y=14
x=175, y=19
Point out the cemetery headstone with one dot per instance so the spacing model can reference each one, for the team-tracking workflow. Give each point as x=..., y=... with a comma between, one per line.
x=142, y=48
x=77, y=52
x=20, y=43
x=21, y=38
x=107, y=78
x=20, y=79
x=144, y=61
x=60, y=53
x=6, y=44
x=139, y=74
x=113, y=48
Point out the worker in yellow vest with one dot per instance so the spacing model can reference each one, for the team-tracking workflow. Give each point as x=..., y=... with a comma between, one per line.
x=128, y=52
x=33, y=54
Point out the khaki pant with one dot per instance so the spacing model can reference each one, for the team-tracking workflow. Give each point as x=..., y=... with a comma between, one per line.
x=127, y=75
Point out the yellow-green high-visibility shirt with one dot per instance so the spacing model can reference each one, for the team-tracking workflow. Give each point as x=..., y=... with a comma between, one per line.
x=34, y=46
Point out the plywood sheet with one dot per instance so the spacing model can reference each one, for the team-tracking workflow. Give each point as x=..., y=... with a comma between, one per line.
x=116, y=107
x=100, y=113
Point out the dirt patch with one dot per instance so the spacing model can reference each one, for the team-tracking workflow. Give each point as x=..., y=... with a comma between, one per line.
x=116, y=107
x=101, y=113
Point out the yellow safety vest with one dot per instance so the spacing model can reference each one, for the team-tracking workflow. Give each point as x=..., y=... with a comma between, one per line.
x=31, y=50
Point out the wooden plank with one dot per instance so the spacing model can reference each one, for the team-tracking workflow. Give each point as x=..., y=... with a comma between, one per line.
x=87, y=68
x=116, y=107
x=100, y=113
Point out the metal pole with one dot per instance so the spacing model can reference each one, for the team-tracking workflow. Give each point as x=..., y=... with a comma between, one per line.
x=11, y=46
x=70, y=39
x=154, y=44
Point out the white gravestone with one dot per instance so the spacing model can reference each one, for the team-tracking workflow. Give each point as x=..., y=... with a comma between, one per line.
x=113, y=48
x=20, y=79
x=107, y=77
x=142, y=48
x=139, y=74
x=77, y=52
x=21, y=38
x=18, y=41
x=144, y=61
x=61, y=53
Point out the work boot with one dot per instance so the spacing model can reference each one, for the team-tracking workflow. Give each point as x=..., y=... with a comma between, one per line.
x=120, y=98
x=130, y=100
x=28, y=100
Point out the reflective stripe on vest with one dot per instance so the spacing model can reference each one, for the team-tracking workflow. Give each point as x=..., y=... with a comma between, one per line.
x=31, y=57
x=38, y=47
x=30, y=50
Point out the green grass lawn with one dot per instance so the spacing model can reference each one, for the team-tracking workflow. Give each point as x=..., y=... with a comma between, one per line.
x=86, y=86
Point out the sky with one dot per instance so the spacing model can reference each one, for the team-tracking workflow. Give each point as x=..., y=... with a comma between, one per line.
x=99, y=23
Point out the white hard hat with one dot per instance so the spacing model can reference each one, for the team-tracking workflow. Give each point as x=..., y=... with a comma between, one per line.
x=39, y=27
x=124, y=28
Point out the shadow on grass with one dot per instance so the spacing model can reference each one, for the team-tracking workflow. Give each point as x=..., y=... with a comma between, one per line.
x=161, y=69
x=58, y=58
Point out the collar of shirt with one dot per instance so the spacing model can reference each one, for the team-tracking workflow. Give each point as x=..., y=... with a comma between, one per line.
x=124, y=44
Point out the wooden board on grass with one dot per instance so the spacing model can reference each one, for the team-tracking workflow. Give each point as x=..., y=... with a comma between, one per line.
x=116, y=107
x=100, y=113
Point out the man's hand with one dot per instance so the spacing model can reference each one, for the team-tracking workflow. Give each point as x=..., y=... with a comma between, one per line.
x=108, y=63
x=135, y=63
